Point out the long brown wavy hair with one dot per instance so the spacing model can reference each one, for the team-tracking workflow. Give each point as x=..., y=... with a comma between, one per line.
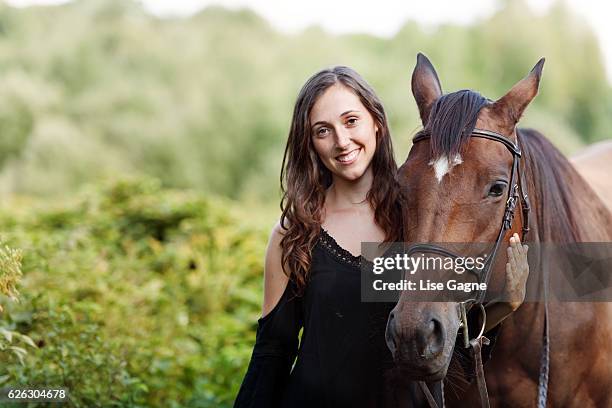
x=304, y=178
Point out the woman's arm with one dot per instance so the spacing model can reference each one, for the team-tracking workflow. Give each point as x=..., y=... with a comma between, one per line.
x=517, y=272
x=276, y=342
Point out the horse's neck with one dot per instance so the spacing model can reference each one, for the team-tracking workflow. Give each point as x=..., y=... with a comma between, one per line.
x=585, y=212
x=521, y=338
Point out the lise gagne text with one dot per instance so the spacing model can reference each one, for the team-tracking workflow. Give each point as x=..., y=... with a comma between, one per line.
x=428, y=285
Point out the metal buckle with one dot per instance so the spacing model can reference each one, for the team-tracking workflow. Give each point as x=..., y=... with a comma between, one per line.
x=464, y=324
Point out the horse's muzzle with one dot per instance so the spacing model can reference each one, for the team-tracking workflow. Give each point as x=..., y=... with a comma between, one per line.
x=418, y=351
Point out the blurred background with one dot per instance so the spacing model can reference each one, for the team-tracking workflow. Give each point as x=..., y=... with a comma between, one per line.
x=140, y=151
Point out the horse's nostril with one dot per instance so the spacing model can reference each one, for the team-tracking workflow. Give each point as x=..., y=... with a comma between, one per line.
x=432, y=325
x=430, y=340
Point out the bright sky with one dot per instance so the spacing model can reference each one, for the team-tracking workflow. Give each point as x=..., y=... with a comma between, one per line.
x=382, y=17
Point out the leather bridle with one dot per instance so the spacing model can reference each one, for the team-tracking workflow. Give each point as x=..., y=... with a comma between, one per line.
x=517, y=193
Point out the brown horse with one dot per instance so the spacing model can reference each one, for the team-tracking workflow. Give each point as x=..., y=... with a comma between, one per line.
x=456, y=188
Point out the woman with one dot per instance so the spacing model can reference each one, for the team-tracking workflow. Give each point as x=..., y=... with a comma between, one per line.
x=339, y=190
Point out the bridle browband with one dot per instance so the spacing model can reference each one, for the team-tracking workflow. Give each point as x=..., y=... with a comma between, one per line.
x=517, y=193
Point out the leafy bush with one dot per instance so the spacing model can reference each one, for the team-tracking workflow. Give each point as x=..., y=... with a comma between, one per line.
x=135, y=296
x=10, y=273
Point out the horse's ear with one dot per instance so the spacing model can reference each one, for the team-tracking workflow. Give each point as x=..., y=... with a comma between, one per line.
x=425, y=86
x=510, y=107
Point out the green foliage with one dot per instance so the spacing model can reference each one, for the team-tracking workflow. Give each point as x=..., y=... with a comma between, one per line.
x=135, y=295
x=95, y=88
x=10, y=274
x=10, y=271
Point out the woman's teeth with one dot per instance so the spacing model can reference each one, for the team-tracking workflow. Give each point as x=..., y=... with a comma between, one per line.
x=347, y=158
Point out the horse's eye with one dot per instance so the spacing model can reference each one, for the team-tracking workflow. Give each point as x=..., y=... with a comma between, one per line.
x=497, y=189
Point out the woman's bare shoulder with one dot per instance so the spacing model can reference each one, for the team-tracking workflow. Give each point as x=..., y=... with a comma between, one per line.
x=275, y=279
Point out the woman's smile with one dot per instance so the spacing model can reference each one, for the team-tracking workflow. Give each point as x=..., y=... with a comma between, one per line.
x=349, y=157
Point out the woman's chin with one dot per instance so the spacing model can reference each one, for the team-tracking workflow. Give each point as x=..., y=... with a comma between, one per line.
x=353, y=173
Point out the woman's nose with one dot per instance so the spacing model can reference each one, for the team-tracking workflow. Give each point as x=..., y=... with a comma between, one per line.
x=343, y=138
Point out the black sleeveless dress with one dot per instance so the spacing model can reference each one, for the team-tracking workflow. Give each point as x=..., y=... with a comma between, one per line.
x=342, y=360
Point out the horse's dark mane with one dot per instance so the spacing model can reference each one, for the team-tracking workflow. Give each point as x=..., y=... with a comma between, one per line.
x=567, y=209
x=451, y=121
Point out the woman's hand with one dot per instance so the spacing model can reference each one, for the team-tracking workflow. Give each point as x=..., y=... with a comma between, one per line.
x=517, y=272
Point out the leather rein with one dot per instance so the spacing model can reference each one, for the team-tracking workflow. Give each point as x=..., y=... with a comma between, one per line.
x=516, y=194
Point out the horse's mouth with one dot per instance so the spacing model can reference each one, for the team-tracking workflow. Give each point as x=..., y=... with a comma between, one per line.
x=421, y=374
x=423, y=367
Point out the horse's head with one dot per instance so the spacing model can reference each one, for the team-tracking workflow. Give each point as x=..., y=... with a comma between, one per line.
x=457, y=188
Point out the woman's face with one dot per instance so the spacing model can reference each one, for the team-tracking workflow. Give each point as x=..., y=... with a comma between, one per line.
x=343, y=132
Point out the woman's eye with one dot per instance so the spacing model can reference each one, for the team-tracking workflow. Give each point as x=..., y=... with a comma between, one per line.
x=497, y=189
x=322, y=131
x=352, y=121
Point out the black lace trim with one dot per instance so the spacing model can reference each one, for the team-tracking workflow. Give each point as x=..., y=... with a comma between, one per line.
x=329, y=243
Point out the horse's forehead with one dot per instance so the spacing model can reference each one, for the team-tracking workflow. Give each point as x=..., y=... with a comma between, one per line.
x=476, y=155
x=444, y=164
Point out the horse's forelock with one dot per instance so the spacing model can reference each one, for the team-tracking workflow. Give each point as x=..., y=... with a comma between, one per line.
x=451, y=121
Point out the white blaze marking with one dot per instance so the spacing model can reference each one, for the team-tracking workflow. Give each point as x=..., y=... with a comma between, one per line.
x=443, y=165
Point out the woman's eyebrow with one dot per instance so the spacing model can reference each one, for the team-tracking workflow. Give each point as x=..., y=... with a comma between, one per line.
x=322, y=122
x=349, y=111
